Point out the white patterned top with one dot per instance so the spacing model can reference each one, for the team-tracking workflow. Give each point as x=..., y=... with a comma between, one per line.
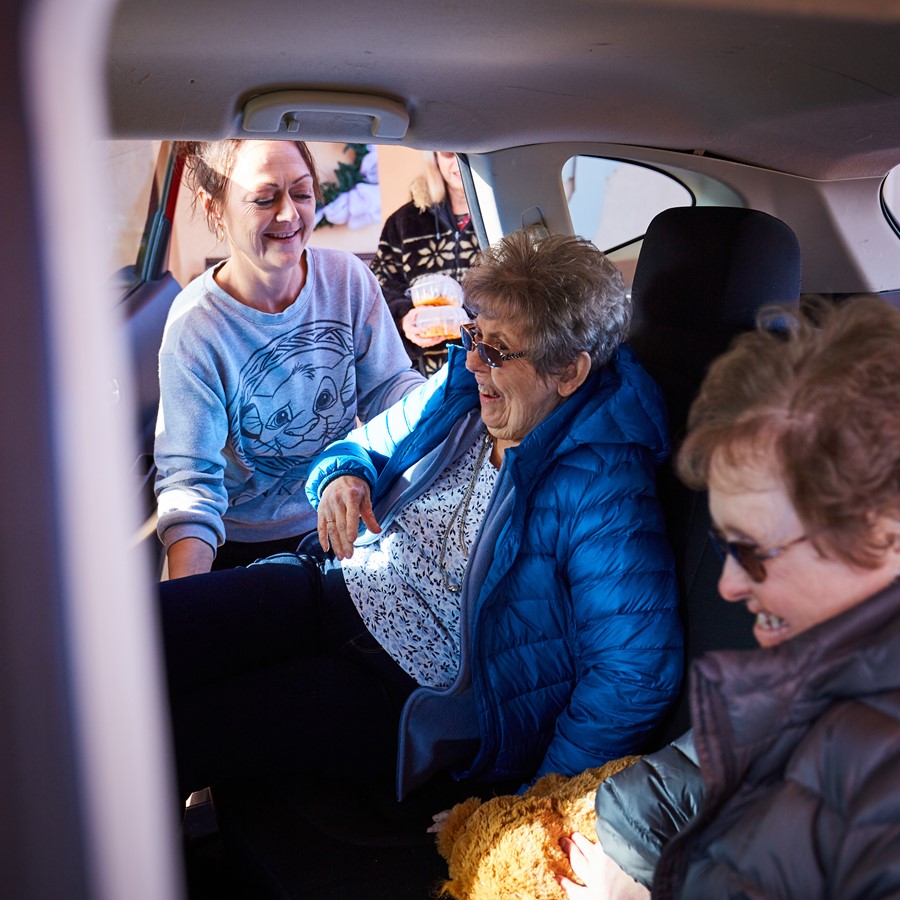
x=397, y=583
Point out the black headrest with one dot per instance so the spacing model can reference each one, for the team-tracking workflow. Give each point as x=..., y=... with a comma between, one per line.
x=702, y=275
x=710, y=268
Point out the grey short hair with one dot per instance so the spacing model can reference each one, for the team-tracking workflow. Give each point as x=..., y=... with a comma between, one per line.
x=565, y=293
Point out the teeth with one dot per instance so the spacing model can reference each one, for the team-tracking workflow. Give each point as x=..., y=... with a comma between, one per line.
x=487, y=391
x=769, y=621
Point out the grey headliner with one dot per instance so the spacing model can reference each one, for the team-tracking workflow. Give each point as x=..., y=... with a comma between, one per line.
x=802, y=93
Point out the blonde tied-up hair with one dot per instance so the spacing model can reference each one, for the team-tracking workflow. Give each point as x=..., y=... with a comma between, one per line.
x=820, y=391
x=434, y=181
x=428, y=189
x=209, y=164
x=566, y=295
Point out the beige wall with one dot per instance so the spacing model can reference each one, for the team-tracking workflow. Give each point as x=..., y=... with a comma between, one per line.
x=129, y=175
x=398, y=167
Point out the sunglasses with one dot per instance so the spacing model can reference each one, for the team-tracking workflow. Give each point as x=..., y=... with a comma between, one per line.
x=490, y=356
x=747, y=554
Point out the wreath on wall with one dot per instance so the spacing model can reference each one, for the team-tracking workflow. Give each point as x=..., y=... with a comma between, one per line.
x=353, y=197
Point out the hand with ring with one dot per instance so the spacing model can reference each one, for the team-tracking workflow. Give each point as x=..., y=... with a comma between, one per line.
x=344, y=502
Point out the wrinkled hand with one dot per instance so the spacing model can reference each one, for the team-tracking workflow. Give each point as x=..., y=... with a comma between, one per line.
x=413, y=333
x=344, y=502
x=438, y=820
x=603, y=879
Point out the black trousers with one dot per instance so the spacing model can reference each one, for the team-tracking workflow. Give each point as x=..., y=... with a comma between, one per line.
x=237, y=553
x=272, y=673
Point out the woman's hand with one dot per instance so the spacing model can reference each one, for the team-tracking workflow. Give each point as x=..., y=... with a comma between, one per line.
x=413, y=333
x=603, y=879
x=344, y=502
x=438, y=820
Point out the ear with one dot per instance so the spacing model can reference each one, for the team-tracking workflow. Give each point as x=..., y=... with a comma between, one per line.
x=574, y=375
x=206, y=202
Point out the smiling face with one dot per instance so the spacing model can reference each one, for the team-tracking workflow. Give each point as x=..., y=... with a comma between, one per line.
x=268, y=210
x=802, y=588
x=514, y=398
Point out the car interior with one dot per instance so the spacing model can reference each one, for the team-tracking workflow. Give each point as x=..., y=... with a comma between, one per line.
x=778, y=121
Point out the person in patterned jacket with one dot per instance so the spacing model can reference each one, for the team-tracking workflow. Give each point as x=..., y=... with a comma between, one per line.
x=432, y=233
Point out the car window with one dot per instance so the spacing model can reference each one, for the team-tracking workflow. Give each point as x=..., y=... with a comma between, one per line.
x=890, y=197
x=612, y=202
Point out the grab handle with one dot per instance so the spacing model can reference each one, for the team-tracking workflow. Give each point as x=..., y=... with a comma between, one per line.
x=267, y=112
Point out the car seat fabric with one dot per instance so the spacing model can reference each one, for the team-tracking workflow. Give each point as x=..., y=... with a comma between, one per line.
x=702, y=276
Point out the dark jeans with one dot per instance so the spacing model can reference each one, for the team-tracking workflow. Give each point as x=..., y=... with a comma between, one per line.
x=273, y=673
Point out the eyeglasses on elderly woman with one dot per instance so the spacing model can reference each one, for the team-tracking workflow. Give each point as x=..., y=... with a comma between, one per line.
x=490, y=355
x=747, y=554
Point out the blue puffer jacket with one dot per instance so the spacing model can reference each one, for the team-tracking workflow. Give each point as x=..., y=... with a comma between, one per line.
x=571, y=643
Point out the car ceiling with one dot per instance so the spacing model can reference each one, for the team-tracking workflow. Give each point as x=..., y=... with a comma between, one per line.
x=811, y=88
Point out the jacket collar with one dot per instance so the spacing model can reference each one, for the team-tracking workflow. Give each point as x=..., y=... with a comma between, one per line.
x=618, y=404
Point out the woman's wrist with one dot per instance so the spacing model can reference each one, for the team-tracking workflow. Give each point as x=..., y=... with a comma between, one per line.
x=189, y=556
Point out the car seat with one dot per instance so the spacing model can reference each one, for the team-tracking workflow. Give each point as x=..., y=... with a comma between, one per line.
x=702, y=275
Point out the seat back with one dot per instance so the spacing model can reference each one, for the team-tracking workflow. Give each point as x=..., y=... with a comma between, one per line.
x=702, y=275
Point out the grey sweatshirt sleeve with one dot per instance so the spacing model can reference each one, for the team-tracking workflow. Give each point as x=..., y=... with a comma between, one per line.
x=190, y=434
x=642, y=807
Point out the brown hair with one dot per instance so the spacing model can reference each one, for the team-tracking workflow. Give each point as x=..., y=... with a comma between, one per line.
x=567, y=296
x=821, y=390
x=209, y=165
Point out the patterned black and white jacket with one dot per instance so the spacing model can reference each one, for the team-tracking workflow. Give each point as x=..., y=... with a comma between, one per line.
x=421, y=238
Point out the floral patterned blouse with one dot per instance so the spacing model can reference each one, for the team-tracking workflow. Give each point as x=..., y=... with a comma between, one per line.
x=402, y=584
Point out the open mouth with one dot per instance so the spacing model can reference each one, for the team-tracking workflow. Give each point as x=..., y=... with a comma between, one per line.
x=487, y=392
x=769, y=621
x=282, y=235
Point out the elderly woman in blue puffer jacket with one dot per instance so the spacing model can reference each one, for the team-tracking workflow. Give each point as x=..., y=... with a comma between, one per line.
x=510, y=602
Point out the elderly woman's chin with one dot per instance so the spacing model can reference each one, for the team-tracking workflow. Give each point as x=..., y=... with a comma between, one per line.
x=507, y=423
x=493, y=409
x=512, y=413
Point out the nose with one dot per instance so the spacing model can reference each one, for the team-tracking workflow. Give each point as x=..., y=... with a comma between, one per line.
x=474, y=362
x=287, y=209
x=734, y=582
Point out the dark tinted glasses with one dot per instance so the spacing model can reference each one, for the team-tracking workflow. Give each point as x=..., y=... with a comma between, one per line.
x=747, y=555
x=490, y=356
